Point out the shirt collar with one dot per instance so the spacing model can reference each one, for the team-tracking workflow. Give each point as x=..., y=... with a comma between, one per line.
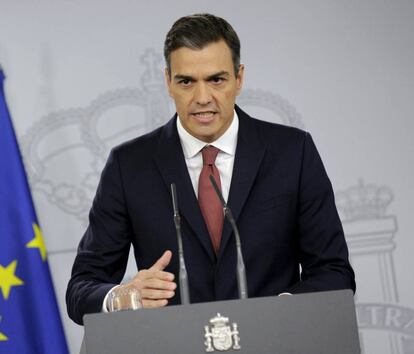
x=226, y=143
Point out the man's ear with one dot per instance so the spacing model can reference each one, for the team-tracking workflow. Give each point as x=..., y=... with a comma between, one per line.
x=167, y=80
x=240, y=78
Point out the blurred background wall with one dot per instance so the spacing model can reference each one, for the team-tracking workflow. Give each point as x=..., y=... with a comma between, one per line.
x=83, y=76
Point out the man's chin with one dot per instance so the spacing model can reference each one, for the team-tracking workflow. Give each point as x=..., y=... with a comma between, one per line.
x=204, y=135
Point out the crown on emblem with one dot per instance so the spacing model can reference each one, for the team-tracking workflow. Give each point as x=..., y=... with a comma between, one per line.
x=363, y=202
x=152, y=78
x=219, y=321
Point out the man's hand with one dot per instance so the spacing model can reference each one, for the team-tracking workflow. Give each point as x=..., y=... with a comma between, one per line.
x=154, y=285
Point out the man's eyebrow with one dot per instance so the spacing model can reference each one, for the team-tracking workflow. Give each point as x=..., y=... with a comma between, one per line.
x=219, y=74
x=179, y=77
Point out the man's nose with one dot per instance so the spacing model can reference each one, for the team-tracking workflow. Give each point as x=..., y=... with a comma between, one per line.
x=202, y=94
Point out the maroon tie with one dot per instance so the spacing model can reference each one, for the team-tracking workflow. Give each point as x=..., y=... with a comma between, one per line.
x=210, y=205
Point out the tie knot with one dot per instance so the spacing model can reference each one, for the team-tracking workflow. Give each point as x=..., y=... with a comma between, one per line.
x=209, y=154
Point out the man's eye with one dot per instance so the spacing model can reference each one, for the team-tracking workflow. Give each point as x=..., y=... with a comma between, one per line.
x=185, y=82
x=217, y=80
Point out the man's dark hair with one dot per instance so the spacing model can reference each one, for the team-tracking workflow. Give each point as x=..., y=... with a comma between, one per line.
x=197, y=31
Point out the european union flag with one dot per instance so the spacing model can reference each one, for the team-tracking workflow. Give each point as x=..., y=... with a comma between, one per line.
x=29, y=315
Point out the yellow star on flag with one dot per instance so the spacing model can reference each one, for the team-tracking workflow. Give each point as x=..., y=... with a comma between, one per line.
x=38, y=242
x=2, y=336
x=8, y=279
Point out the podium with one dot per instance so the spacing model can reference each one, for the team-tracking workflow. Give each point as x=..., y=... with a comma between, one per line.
x=313, y=323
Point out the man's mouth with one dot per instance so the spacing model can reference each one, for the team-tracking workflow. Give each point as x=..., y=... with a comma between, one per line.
x=205, y=116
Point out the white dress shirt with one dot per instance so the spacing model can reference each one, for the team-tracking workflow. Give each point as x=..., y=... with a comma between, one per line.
x=226, y=144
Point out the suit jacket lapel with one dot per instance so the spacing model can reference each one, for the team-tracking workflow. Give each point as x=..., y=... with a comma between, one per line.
x=169, y=158
x=249, y=156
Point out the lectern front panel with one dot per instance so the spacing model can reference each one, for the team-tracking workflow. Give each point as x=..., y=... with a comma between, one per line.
x=316, y=323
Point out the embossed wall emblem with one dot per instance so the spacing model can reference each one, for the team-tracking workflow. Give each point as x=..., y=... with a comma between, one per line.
x=82, y=137
x=370, y=234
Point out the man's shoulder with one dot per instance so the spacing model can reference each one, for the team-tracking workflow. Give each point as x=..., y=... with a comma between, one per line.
x=276, y=128
x=144, y=144
x=270, y=133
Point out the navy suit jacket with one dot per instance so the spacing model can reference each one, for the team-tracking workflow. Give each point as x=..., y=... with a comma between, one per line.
x=280, y=196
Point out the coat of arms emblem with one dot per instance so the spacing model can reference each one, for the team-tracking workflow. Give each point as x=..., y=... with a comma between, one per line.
x=221, y=336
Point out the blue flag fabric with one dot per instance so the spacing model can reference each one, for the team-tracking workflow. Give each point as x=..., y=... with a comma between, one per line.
x=29, y=315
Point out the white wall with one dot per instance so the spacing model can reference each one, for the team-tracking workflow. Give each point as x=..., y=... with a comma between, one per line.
x=83, y=76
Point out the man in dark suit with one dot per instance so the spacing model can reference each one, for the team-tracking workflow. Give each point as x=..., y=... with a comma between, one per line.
x=271, y=176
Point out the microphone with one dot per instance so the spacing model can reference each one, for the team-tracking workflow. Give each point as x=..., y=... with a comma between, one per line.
x=241, y=270
x=182, y=271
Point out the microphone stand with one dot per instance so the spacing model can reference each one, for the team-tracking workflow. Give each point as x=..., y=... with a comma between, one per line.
x=241, y=270
x=182, y=271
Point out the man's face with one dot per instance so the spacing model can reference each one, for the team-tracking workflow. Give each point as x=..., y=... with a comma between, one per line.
x=204, y=88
